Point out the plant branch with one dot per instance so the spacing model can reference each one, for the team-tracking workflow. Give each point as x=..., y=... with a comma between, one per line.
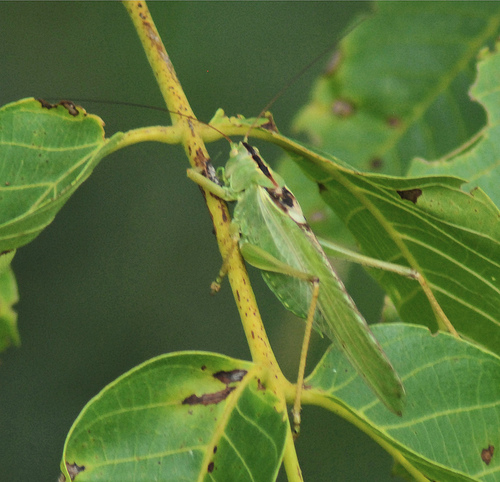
x=191, y=138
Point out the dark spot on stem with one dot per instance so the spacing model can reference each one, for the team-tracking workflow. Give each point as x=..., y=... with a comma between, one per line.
x=200, y=159
x=410, y=195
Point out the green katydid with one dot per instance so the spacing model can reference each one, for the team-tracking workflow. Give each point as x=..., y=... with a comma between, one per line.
x=274, y=236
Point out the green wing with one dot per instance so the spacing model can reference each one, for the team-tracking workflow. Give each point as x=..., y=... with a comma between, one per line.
x=268, y=227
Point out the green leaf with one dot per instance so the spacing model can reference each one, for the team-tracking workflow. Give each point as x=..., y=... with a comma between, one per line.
x=399, y=86
x=449, y=236
x=46, y=152
x=478, y=163
x=9, y=335
x=185, y=416
x=452, y=412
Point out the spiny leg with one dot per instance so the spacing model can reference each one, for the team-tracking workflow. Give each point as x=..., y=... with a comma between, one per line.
x=303, y=357
x=343, y=253
x=215, y=286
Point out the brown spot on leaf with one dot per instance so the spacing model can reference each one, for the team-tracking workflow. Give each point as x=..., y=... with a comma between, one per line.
x=215, y=449
x=376, y=163
x=317, y=217
x=487, y=454
x=45, y=104
x=67, y=104
x=70, y=107
x=321, y=187
x=211, y=466
x=260, y=386
x=74, y=469
x=394, y=122
x=270, y=125
x=230, y=377
x=343, y=108
x=410, y=195
x=208, y=398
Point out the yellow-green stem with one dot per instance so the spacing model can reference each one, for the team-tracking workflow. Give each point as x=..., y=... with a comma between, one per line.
x=192, y=141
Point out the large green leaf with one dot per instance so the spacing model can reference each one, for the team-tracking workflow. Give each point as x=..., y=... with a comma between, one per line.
x=450, y=236
x=399, y=87
x=185, y=416
x=479, y=162
x=46, y=152
x=452, y=415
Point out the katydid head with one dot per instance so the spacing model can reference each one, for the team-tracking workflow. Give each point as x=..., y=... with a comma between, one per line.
x=245, y=168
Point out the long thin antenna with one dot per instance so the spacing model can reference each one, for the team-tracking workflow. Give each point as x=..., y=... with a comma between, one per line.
x=304, y=69
x=283, y=90
x=142, y=106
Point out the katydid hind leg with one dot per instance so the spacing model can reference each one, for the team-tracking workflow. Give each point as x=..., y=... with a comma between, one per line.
x=215, y=286
x=263, y=260
x=303, y=358
x=344, y=253
x=337, y=317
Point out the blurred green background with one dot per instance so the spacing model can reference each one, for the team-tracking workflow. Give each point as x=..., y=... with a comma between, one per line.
x=123, y=273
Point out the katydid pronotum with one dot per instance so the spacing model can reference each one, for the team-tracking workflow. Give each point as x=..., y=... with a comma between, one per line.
x=274, y=236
